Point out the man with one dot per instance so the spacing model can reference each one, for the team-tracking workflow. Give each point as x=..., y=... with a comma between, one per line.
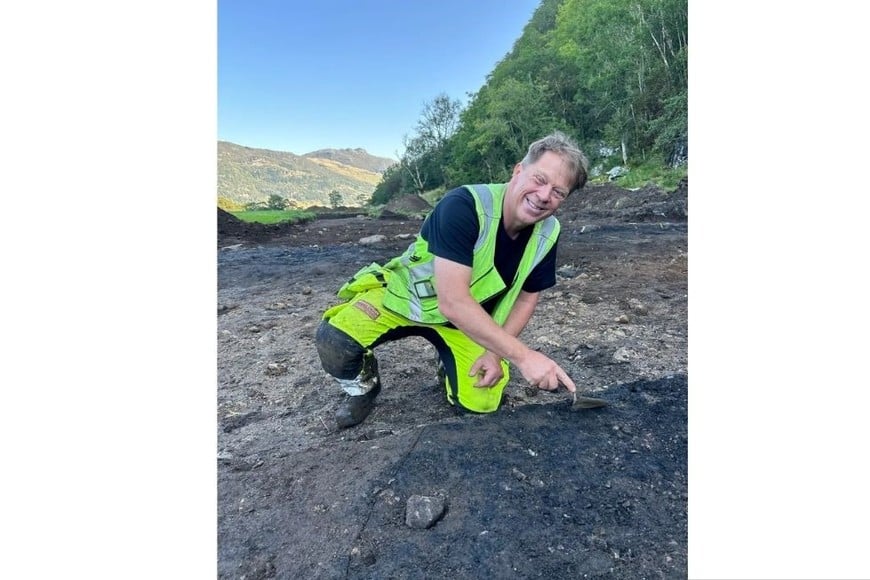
x=469, y=284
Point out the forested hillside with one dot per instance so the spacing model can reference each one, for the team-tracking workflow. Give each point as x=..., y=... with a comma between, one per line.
x=613, y=74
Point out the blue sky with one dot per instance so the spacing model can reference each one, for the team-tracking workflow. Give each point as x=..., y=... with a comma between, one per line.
x=302, y=76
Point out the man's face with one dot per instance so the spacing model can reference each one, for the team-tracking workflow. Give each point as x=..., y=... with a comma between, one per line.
x=535, y=192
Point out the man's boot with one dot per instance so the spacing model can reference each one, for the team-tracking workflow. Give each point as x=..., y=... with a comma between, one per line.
x=355, y=408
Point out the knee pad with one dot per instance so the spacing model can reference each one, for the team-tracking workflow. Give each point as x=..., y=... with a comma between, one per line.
x=340, y=355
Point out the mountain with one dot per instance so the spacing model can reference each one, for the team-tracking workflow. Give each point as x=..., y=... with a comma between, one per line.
x=354, y=158
x=247, y=175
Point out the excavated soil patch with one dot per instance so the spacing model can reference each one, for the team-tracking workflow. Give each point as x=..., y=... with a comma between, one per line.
x=534, y=490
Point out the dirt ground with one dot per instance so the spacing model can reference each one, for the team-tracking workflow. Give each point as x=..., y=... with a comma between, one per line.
x=533, y=490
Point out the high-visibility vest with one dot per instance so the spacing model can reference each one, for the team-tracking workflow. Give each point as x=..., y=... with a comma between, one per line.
x=410, y=285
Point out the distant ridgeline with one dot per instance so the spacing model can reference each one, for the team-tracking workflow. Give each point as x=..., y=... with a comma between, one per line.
x=327, y=177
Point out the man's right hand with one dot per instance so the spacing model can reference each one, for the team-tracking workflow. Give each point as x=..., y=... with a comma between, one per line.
x=542, y=372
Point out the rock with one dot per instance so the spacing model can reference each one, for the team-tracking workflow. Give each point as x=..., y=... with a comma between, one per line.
x=544, y=339
x=389, y=497
x=307, y=290
x=623, y=354
x=617, y=171
x=276, y=369
x=422, y=511
x=623, y=319
x=373, y=239
x=365, y=555
x=238, y=420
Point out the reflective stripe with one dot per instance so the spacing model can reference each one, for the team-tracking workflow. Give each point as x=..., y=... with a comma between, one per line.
x=418, y=273
x=484, y=196
x=547, y=228
x=545, y=234
x=416, y=308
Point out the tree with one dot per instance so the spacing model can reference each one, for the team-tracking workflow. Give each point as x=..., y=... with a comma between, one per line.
x=438, y=122
x=390, y=185
x=613, y=74
x=426, y=153
x=255, y=206
x=335, y=198
x=275, y=201
x=415, y=162
x=603, y=71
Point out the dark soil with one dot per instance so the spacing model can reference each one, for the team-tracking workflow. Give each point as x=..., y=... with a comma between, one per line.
x=534, y=490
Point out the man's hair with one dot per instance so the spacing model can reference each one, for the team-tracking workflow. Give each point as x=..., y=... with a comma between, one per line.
x=564, y=146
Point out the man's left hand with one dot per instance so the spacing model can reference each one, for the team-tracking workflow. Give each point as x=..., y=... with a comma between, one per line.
x=488, y=370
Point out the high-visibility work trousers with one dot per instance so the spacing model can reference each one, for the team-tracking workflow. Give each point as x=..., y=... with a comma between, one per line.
x=350, y=331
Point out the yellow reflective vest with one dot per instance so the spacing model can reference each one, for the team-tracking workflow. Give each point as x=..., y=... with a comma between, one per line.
x=410, y=285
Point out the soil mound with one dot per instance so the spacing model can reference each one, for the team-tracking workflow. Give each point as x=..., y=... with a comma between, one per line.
x=608, y=202
x=231, y=226
x=406, y=205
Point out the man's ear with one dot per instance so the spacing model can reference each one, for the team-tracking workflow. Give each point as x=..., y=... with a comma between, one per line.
x=517, y=168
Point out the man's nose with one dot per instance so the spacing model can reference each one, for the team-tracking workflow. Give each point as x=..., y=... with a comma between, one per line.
x=547, y=191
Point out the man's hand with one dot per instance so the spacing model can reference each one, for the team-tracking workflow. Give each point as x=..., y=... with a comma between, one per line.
x=488, y=370
x=542, y=372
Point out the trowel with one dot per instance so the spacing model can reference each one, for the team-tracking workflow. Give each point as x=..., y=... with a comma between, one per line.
x=579, y=403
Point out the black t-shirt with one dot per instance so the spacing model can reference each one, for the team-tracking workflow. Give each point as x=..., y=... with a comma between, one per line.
x=451, y=231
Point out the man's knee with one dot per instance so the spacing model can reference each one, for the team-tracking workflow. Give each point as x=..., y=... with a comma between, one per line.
x=340, y=355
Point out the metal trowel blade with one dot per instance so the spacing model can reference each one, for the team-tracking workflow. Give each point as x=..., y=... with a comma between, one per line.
x=586, y=403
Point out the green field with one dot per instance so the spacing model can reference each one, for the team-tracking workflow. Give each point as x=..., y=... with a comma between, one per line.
x=274, y=216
